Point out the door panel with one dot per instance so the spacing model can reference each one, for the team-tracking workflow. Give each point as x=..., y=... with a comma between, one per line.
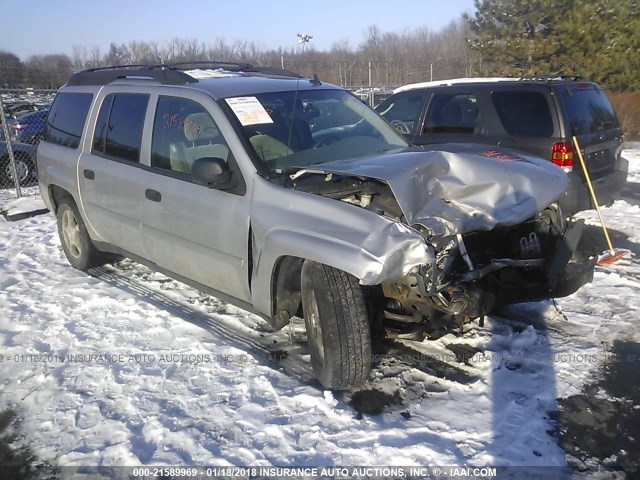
x=112, y=200
x=198, y=232
x=110, y=177
x=192, y=230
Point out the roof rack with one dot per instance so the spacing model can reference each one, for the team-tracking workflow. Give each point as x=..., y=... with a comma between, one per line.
x=551, y=77
x=274, y=71
x=231, y=66
x=166, y=74
x=101, y=76
x=236, y=67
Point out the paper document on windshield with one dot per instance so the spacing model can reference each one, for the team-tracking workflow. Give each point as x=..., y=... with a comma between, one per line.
x=249, y=110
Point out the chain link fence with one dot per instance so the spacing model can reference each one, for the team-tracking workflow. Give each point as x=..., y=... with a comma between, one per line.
x=23, y=114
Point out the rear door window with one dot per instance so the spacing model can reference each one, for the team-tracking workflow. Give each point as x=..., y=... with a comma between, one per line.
x=452, y=113
x=588, y=110
x=523, y=113
x=402, y=110
x=66, y=119
x=118, y=132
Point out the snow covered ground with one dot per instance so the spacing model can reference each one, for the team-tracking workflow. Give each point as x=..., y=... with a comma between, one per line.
x=128, y=367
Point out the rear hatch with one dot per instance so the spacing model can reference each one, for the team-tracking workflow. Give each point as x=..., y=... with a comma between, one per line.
x=591, y=118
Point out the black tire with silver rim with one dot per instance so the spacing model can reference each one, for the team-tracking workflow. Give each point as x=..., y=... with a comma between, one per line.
x=337, y=324
x=75, y=240
x=24, y=169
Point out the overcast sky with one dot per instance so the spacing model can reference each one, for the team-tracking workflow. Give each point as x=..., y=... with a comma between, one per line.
x=54, y=26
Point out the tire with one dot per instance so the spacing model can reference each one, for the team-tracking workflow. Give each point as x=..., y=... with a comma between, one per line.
x=24, y=166
x=76, y=243
x=337, y=323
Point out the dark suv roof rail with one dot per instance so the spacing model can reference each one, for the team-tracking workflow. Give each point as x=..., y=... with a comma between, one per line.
x=167, y=74
x=549, y=78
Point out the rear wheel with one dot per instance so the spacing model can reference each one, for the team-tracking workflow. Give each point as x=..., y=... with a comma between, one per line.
x=75, y=240
x=337, y=323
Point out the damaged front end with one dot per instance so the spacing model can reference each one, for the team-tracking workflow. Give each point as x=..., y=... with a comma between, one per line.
x=486, y=244
x=478, y=272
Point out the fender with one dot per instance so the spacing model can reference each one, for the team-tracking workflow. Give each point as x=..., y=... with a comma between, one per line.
x=370, y=247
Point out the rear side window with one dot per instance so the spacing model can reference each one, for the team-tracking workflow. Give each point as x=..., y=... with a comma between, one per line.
x=66, y=119
x=588, y=110
x=452, y=113
x=120, y=124
x=402, y=110
x=523, y=113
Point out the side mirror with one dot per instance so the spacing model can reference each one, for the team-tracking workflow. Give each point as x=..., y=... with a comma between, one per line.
x=212, y=172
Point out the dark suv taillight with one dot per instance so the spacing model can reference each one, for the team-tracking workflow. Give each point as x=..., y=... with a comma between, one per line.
x=562, y=155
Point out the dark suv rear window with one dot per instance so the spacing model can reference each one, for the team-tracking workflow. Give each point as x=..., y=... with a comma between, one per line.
x=523, y=113
x=66, y=119
x=588, y=110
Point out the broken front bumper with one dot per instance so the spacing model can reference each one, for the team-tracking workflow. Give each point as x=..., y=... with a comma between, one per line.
x=563, y=274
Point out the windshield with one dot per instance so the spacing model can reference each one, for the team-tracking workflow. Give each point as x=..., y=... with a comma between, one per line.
x=287, y=129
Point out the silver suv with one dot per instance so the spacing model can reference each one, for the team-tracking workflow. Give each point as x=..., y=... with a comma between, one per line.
x=289, y=197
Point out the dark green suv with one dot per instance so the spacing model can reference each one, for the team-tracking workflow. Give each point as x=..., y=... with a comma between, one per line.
x=536, y=115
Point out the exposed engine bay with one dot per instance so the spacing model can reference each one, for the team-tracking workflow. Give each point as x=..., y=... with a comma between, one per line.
x=472, y=273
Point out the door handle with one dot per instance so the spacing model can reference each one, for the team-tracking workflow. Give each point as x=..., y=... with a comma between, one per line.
x=152, y=195
x=89, y=174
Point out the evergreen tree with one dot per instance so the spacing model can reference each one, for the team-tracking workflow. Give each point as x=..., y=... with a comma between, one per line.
x=597, y=39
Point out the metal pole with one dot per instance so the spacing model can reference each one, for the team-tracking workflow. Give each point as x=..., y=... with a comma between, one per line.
x=371, y=100
x=12, y=158
x=431, y=69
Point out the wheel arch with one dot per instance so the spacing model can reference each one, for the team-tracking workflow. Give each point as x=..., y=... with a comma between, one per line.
x=57, y=195
x=276, y=282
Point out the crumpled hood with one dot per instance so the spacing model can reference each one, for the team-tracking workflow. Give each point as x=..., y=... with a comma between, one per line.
x=459, y=188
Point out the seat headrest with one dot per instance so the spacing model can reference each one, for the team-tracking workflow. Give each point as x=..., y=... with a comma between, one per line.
x=199, y=126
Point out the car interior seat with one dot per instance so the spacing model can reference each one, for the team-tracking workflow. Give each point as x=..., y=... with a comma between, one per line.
x=202, y=140
x=301, y=138
x=452, y=114
x=270, y=140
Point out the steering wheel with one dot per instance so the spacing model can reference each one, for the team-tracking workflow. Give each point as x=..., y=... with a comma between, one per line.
x=326, y=141
x=400, y=126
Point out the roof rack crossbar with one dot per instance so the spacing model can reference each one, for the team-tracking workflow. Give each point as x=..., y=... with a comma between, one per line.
x=212, y=63
x=551, y=77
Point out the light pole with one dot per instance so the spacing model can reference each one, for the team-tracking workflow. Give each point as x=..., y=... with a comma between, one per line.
x=431, y=67
x=304, y=38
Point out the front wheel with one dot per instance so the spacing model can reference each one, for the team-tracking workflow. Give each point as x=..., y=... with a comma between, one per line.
x=337, y=324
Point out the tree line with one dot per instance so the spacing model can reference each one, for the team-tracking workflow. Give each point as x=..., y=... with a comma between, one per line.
x=384, y=58
x=597, y=39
